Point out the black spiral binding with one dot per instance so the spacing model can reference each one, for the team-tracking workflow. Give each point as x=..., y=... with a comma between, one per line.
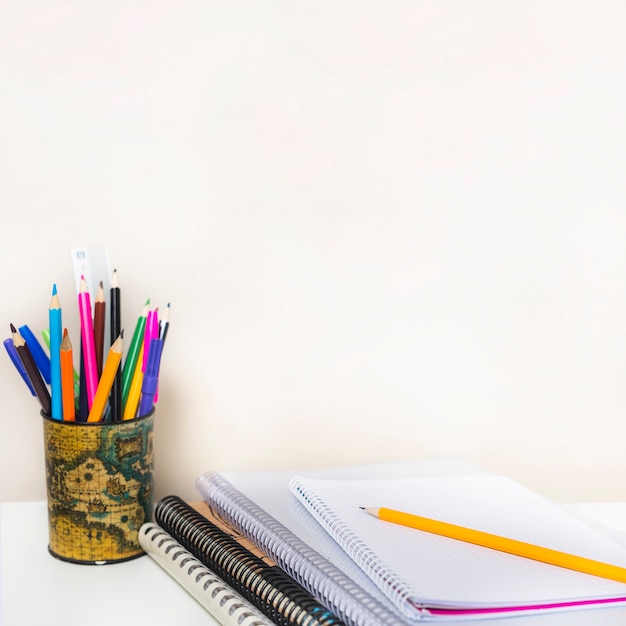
x=267, y=587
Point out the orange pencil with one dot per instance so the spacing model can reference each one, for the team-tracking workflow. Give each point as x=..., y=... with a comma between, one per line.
x=106, y=380
x=67, y=379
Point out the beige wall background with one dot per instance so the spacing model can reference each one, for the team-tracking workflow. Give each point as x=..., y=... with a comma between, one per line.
x=387, y=230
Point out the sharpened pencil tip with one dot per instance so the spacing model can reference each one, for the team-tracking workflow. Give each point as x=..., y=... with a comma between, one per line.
x=54, y=289
x=13, y=329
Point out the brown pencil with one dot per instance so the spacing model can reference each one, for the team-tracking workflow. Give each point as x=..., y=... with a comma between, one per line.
x=99, y=313
x=43, y=395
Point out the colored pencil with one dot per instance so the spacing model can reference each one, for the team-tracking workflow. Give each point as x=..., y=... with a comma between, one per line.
x=151, y=377
x=124, y=392
x=42, y=360
x=45, y=333
x=99, y=318
x=164, y=326
x=116, y=328
x=164, y=322
x=67, y=378
x=130, y=408
x=56, y=336
x=83, y=404
x=31, y=369
x=88, y=348
x=106, y=380
x=151, y=332
x=136, y=346
x=502, y=544
x=19, y=366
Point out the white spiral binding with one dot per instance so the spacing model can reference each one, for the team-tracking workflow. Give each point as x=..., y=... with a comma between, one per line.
x=320, y=577
x=223, y=603
x=392, y=585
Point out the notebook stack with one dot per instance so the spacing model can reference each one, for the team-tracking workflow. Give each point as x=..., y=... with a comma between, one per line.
x=301, y=549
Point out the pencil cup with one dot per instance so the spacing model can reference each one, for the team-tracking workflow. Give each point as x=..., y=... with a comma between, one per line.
x=99, y=478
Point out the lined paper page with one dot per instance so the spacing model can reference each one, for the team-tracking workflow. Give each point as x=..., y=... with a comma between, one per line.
x=446, y=572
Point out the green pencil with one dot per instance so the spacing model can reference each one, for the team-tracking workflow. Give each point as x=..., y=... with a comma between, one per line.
x=136, y=344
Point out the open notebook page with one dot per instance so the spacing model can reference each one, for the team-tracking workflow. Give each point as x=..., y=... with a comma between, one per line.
x=448, y=573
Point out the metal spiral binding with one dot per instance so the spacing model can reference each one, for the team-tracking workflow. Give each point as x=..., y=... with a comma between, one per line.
x=267, y=587
x=227, y=606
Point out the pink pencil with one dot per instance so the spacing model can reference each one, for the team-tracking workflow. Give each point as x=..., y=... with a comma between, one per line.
x=89, y=344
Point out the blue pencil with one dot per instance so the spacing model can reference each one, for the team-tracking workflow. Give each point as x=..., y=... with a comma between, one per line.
x=39, y=354
x=56, y=336
x=150, y=381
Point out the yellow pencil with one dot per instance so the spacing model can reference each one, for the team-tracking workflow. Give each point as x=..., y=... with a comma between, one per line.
x=132, y=402
x=106, y=380
x=503, y=544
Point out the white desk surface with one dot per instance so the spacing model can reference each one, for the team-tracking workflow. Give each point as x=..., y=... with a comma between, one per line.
x=39, y=589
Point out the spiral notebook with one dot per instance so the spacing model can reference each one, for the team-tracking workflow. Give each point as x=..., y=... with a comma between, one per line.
x=263, y=584
x=416, y=569
x=221, y=601
x=261, y=507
